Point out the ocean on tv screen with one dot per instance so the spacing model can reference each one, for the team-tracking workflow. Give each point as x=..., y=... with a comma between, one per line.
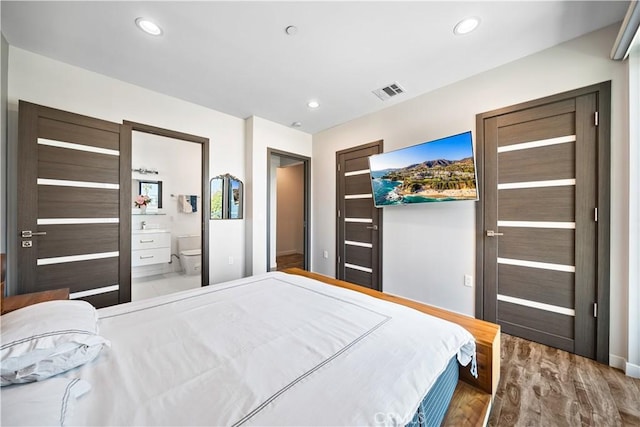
x=436, y=171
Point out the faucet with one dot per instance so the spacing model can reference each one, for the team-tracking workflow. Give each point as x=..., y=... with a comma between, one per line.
x=144, y=224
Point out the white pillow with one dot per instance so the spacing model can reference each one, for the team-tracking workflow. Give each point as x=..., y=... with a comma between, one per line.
x=46, y=339
x=41, y=404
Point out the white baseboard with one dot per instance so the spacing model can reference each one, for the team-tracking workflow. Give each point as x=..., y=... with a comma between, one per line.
x=290, y=252
x=632, y=370
x=617, y=362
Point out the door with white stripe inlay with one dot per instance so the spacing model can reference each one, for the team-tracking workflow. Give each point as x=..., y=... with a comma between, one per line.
x=542, y=249
x=73, y=210
x=359, y=222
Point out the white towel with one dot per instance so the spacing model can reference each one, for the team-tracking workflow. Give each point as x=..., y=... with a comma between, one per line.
x=184, y=204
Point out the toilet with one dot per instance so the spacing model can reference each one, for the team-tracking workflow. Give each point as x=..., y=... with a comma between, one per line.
x=190, y=256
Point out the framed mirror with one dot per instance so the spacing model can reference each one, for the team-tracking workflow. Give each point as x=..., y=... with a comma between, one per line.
x=153, y=189
x=226, y=197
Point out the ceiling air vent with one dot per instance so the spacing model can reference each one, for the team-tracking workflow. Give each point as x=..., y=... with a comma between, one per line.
x=389, y=91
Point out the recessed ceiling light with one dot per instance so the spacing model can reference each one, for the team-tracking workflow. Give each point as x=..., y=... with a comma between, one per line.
x=466, y=25
x=148, y=27
x=296, y=124
x=291, y=30
x=313, y=104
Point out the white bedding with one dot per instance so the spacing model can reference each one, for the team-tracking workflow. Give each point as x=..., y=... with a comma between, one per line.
x=274, y=349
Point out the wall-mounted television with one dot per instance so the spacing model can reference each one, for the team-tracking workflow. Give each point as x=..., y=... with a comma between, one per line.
x=442, y=170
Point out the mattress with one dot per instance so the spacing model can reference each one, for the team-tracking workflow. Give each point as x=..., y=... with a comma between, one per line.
x=273, y=349
x=434, y=406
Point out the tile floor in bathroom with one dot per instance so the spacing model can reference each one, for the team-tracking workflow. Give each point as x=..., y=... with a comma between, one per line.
x=162, y=284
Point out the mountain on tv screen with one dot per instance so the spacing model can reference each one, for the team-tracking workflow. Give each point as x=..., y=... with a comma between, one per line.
x=442, y=170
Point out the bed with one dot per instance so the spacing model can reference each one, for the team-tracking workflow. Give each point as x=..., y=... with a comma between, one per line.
x=273, y=349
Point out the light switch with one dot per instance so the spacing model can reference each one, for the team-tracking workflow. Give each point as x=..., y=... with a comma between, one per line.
x=468, y=280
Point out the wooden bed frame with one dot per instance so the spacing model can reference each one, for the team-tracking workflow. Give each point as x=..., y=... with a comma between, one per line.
x=473, y=396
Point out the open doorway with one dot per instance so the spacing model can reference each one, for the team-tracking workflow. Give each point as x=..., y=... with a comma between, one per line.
x=288, y=211
x=169, y=182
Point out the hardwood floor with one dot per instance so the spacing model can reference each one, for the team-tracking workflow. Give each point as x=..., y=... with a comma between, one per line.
x=290, y=261
x=468, y=407
x=543, y=386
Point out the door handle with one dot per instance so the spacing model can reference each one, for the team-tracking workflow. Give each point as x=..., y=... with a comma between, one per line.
x=372, y=227
x=29, y=233
x=491, y=233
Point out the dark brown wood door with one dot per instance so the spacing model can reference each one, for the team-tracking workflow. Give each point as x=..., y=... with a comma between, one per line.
x=359, y=222
x=74, y=181
x=539, y=229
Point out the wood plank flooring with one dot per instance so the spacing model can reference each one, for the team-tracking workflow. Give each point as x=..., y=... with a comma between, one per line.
x=544, y=386
x=290, y=261
x=468, y=407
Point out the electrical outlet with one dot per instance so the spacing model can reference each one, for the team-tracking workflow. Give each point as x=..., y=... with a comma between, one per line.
x=468, y=280
x=325, y=254
x=230, y=260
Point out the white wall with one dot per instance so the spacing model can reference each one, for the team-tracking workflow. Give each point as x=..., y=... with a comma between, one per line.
x=290, y=222
x=178, y=165
x=261, y=135
x=44, y=81
x=428, y=249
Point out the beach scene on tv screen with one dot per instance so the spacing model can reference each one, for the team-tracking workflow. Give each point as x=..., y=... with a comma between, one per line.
x=436, y=171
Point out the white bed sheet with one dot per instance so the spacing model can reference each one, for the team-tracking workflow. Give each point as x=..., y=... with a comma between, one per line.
x=273, y=349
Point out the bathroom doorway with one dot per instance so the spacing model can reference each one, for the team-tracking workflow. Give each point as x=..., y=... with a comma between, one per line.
x=169, y=230
x=288, y=211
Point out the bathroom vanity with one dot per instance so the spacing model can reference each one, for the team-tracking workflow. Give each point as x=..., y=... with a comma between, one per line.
x=150, y=247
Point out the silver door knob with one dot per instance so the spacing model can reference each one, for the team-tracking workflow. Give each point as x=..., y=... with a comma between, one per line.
x=372, y=227
x=491, y=233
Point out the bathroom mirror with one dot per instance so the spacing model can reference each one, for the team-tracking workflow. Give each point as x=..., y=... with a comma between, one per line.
x=226, y=197
x=153, y=189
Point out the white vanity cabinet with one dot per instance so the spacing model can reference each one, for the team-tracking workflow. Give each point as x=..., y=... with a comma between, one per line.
x=150, y=247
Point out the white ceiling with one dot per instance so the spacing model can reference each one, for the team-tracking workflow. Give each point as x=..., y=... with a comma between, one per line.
x=235, y=57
